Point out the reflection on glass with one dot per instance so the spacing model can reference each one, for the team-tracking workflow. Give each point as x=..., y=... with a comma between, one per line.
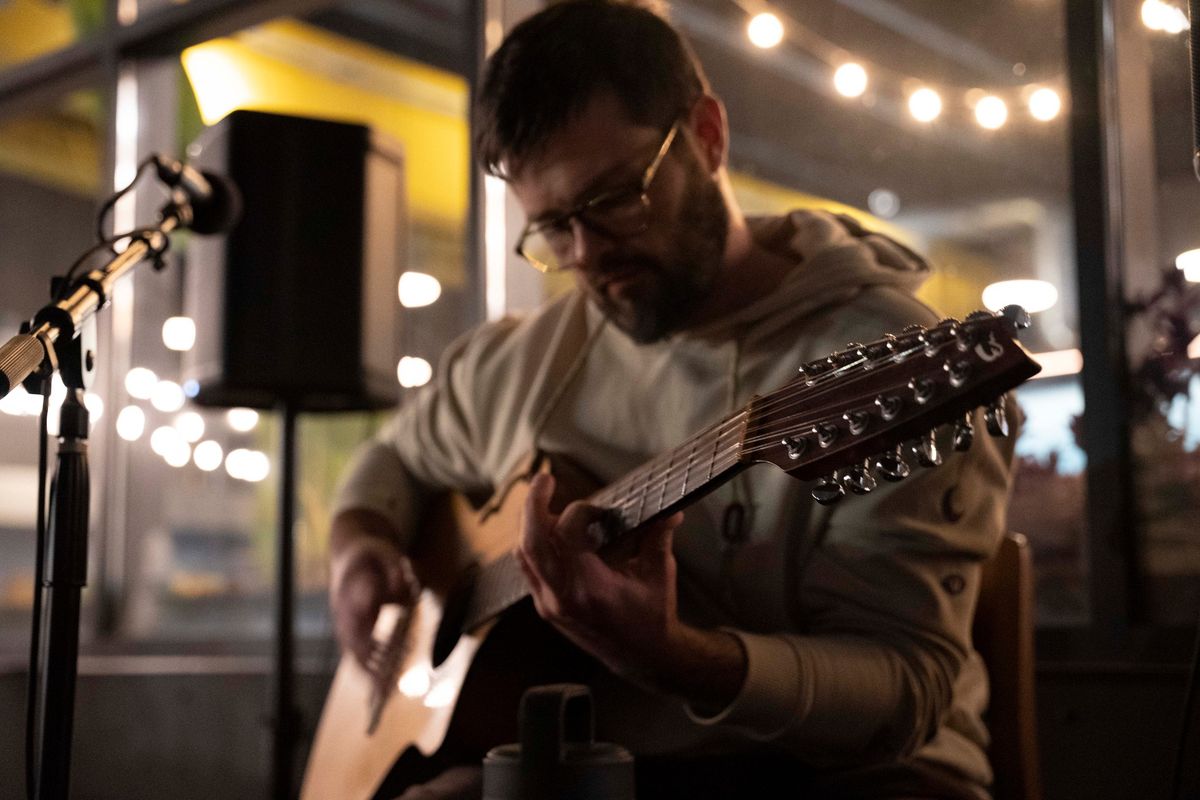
x=957, y=145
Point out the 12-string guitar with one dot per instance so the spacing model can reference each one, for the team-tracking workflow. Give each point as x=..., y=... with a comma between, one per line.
x=446, y=678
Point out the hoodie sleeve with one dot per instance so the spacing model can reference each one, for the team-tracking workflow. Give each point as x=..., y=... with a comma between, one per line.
x=887, y=600
x=432, y=443
x=883, y=601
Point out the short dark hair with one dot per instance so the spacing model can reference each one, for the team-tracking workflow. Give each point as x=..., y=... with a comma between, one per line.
x=552, y=64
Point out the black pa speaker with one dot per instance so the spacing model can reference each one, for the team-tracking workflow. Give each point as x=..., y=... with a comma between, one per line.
x=297, y=304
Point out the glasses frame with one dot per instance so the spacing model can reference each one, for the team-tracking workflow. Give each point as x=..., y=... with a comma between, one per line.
x=579, y=212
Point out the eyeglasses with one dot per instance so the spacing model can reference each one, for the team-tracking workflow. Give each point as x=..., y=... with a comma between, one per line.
x=549, y=245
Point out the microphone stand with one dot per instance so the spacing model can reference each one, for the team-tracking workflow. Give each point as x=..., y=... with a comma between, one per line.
x=70, y=320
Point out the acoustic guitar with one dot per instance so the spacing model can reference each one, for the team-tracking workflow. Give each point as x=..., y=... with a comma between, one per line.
x=445, y=680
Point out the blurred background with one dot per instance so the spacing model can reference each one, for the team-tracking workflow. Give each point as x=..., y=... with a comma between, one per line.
x=1032, y=159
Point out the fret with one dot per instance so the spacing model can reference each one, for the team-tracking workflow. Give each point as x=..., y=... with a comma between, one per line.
x=688, y=468
x=662, y=495
x=713, y=459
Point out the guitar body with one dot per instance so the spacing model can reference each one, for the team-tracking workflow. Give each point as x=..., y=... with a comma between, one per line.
x=452, y=709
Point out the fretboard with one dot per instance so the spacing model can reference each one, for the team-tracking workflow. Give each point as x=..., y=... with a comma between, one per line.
x=657, y=488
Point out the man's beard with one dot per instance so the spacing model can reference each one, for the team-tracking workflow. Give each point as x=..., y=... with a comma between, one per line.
x=669, y=290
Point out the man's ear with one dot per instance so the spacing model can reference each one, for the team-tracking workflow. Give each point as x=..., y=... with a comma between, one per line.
x=709, y=126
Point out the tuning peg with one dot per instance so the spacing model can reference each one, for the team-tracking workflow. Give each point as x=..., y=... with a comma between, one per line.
x=795, y=446
x=1017, y=315
x=964, y=433
x=859, y=479
x=922, y=389
x=926, y=450
x=976, y=316
x=996, y=417
x=857, y=421
x=829, y=490
x=891, y=465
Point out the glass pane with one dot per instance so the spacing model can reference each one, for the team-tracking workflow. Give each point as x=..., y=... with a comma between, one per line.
x=982, y=189
x=33, y=28
x=1162, y=208
x=49, y=182
x=202, y=552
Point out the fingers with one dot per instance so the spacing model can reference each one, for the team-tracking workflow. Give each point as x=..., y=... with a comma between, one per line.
x=362, y=583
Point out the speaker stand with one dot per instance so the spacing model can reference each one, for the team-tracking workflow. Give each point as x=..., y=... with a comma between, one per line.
x=285, y=718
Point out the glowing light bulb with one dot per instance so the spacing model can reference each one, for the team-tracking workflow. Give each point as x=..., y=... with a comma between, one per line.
x=131, y=423
x=179, y=333
x=1032, y=295
x=167, y=396
x=140, y=383
x=413, y=371
x=991, y=112
x=765, y=30
x=1189, y=262
x=190, y=426
x=1044, y=104
x=242, y=419
x=925, y=105
x=208, y=455
x=850, y=80
x=416, y=289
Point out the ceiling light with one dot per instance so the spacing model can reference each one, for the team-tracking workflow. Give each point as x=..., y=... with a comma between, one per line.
x=1032, y=295
x=925, y=105
x=850, y=80
x=765, y=30
x=991, y=112
x=1044, y=104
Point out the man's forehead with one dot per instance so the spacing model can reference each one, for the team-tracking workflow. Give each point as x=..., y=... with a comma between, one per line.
x=598, y=143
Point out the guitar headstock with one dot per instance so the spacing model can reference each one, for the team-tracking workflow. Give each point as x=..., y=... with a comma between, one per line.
x=868, y=409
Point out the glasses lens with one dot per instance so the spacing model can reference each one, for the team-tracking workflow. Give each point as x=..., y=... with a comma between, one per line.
x=548, y=250
x=624, y=214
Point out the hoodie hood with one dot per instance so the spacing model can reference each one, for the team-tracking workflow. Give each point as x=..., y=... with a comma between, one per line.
x=835, y=259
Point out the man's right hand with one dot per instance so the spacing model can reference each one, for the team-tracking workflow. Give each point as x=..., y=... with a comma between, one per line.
x=367, y=570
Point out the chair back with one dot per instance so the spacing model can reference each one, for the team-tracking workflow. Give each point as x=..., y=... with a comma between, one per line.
x=1003, y=633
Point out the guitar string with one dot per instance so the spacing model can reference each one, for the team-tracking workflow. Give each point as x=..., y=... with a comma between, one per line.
x=787, y=425
x=668, y=478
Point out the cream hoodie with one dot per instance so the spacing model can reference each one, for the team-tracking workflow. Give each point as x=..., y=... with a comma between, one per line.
x=856, y=619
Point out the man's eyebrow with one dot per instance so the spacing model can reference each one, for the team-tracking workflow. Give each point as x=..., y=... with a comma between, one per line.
x=605, y=180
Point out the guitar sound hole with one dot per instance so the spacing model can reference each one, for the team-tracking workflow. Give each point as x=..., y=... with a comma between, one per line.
x=454, y=616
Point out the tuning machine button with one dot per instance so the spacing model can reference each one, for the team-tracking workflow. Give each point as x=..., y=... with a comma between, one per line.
x=829, y=490
x=976, y=316
x=958, y=372
x=923, y=390
x=996, y=418
x=857, y=421
x=891, y=465
x=859, y=479
x=926, y=450
x=964, y=433
x=795, y=446
x=826, y=433
x=889, y=406
x=1017, y=315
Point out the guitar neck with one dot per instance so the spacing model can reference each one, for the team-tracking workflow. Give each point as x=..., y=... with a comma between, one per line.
x=656, y=489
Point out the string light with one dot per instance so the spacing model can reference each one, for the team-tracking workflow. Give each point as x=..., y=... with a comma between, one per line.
x=1189, y=262
x=851, y=77
x=765, y=30
x=131, y=423
x=1032, y=295
x=850, y=80
x=991, y=112
x=413, y=371
x=416, y=289
x=1160, y=16
x=925, y=105
x=1044, y=104
x=179, y=333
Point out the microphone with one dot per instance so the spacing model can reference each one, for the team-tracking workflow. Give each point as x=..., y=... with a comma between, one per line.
x=214, y=200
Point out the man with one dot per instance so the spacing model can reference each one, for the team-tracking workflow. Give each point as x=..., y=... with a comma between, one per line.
x=757, y=635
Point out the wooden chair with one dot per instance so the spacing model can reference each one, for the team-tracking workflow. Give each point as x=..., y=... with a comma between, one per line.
x=1003, y=632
